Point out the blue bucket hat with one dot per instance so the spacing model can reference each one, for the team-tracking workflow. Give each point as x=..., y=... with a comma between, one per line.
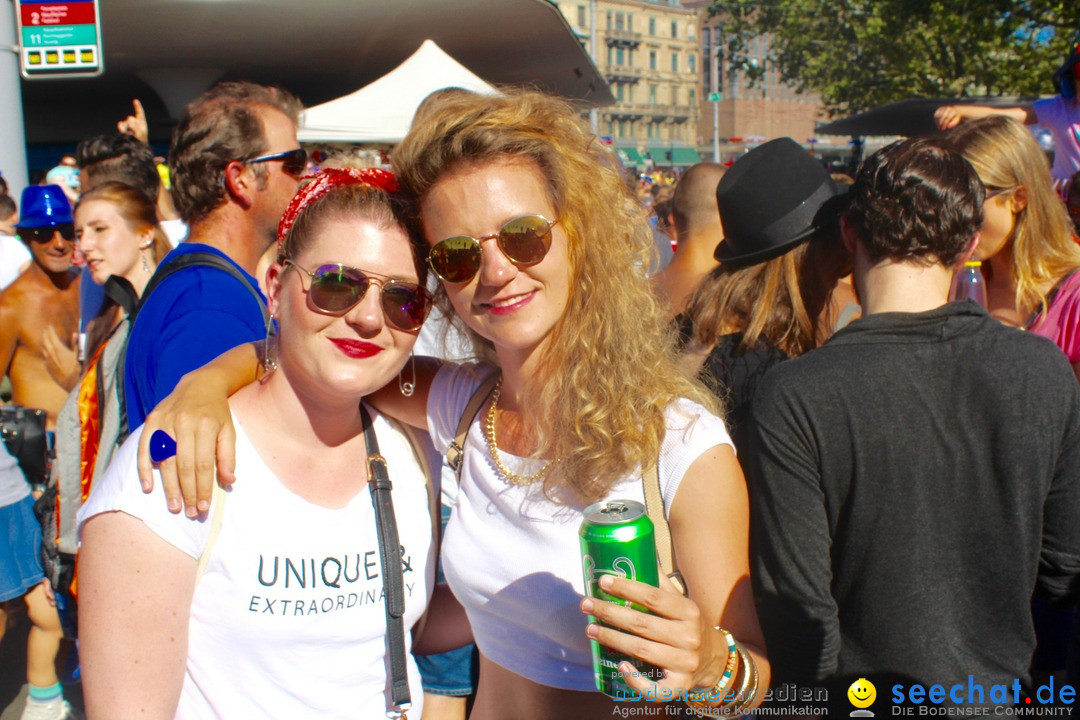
x=43, y=206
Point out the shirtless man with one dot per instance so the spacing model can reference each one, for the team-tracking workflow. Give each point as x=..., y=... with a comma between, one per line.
x=45, y=296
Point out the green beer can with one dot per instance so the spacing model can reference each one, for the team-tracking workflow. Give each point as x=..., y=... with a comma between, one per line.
x=617, y=539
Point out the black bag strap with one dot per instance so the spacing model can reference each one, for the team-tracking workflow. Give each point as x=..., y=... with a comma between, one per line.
x=456, y=452
x=390, y=561
x=199, y=258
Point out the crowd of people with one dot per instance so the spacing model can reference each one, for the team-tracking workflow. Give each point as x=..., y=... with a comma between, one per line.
x=279, y=508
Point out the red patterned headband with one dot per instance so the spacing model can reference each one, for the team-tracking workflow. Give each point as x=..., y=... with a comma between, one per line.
x=326, y=180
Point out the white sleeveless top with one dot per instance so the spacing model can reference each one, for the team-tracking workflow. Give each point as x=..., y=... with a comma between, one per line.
x=513, y=558
x=288, y=619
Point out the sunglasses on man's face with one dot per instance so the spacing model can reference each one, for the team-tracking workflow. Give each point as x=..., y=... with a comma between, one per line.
x=45, y=234
x=336, y=289
x=524, y=241
x=293, y=162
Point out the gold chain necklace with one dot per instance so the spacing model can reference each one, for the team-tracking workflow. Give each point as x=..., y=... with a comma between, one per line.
x=493, y=447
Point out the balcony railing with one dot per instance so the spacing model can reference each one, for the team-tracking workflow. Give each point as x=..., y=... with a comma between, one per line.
x=622, y=74
x=623, y=38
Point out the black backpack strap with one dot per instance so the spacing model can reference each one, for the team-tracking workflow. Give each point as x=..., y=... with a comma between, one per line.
x=390, y=562
x=163, y=271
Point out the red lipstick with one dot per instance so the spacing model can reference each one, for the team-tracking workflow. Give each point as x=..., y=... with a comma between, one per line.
x=356, y=348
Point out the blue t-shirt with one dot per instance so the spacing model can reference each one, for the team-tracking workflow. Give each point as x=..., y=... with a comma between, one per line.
x=192, y=317
x=91, y=298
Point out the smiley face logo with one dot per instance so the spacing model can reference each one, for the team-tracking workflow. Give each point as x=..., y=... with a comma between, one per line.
x=862, y=693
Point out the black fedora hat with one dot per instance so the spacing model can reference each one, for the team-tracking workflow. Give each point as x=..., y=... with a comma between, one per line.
x=768, y=201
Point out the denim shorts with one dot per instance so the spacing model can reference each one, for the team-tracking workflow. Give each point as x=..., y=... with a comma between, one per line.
x=20, y=553
x=453, y=672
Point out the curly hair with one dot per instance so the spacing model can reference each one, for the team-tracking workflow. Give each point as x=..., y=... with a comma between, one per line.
x=916, y=200
x=1005, y=155
x=118, y=157
x=220, y=126
x=777, y=301
x=609, y=369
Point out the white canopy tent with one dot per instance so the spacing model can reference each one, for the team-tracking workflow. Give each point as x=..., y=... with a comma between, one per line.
x=383, y=111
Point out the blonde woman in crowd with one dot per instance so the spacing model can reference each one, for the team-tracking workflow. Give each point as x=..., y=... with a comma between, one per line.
x=780, y=261
x=1029, y=252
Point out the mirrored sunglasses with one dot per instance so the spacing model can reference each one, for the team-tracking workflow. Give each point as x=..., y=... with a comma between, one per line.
x=524, y=241
x=337, y=288
x=45, y=234
x=293, y=162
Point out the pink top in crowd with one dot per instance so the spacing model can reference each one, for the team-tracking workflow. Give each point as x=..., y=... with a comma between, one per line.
x=1061, y=323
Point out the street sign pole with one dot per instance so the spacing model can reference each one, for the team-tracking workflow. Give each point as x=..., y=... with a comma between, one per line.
x=13, y=137
x=714, y=98
x=60, y=39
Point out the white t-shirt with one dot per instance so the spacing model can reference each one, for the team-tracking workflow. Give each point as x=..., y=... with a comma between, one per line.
x=13, y=255
x=288, y=619
x=1062, y=118
x=513, y=558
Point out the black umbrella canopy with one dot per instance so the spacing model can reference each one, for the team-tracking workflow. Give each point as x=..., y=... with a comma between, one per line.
x=907, y=117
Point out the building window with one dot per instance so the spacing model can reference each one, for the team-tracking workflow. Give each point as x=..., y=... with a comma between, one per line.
x=619, y=56
x=675, y=62
x=652, y=95
x=619, y=91
x=610, y=56
x=674, y=29
x=691, y=62
x=674, y=94
x=581, y=15
x=619, y=18
x=652, y=26
x=630, y=22
x=608, y=19
x=652, y=59
x=693, y=97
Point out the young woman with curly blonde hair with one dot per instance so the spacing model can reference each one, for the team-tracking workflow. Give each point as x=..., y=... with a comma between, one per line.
x=542, y=256
x=1029, y=252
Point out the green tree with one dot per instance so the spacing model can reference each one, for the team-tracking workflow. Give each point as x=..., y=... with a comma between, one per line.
x=859, y=54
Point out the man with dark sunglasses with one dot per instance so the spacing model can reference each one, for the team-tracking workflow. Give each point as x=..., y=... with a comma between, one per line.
x=45, y=296
x=235, y=164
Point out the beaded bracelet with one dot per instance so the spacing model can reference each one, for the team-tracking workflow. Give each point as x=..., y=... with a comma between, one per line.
x=743, y=697
x=728, y=678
